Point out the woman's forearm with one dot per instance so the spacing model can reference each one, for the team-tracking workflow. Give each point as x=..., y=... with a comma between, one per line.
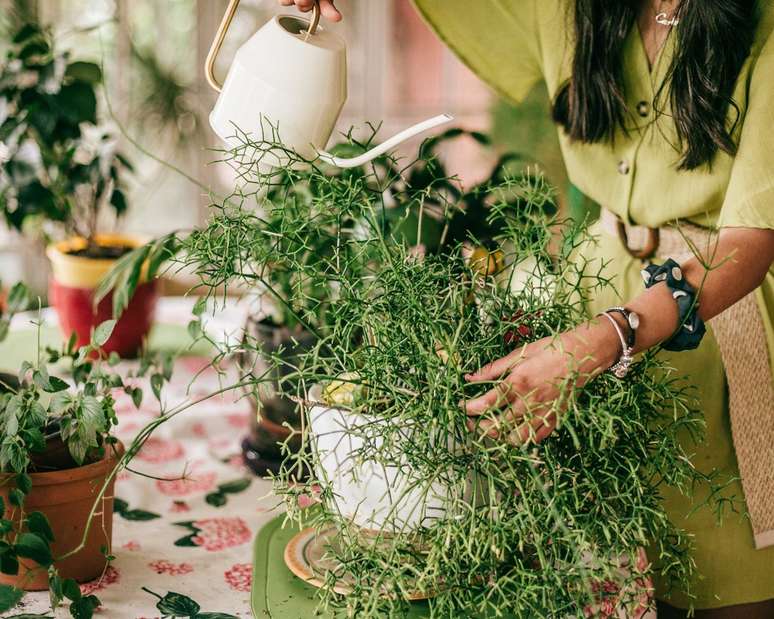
x=740, y=258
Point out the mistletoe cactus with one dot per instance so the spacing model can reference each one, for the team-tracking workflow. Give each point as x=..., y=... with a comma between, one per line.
x=415, y=498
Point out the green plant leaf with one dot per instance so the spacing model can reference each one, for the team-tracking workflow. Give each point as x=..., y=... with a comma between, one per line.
x=177, y=605
x=16, y=497
x=18, y=298
x=235, y=486
x=9, y=564
x=55, y=385
x=71, y=590
x=156, y=383
x=33, y=546
x=137, y=397
x=216, y=499
x=214, y=616
x=84, y=607
x=9, y=597
x=187, y=541
x=38, y=523
x=84, y=72
x=24, y=483
x=2, y=507
x=103, y=332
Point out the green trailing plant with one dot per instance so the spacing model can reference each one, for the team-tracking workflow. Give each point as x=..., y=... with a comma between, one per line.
x=57, y=164
x=40, y=411
x=555, y=529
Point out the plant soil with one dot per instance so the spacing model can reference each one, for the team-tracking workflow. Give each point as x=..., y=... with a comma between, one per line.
x=111, y=252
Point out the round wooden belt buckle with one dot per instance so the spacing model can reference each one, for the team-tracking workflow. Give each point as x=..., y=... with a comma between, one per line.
x=648, y=250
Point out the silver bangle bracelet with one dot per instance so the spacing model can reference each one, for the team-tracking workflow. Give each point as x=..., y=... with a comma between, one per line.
x=621, y=368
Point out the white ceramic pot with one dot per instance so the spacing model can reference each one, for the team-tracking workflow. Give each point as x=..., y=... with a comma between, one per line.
x=372, y=495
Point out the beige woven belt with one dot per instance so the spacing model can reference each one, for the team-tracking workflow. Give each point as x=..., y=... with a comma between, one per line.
x=741, y=337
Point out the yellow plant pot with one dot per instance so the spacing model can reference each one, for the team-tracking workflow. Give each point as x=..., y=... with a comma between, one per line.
x=81, y=271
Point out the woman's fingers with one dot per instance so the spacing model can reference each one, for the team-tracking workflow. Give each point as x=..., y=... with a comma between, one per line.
x=497, y=368
x=327, y=8
x=329, y=11
x=498, y=396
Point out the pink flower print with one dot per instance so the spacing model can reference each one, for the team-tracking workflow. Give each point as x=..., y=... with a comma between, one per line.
x=131, y=546
x=162, y=566
x=159, y=450
x=239, y=577
x=218, y=533
x=109, y=577
x=199, y=430
x=238, y=420
x=198, y=483
x=179, y=507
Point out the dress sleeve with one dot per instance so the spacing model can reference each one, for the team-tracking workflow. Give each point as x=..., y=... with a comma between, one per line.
x=497, y=39
x=749, y=200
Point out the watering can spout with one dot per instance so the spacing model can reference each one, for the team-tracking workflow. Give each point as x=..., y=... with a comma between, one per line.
x=387, y=145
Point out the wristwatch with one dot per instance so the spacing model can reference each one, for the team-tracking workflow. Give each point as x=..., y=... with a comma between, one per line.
x=632, y=321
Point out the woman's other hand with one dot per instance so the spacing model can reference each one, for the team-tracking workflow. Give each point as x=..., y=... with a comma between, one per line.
x=533, y=379
x=327, y=8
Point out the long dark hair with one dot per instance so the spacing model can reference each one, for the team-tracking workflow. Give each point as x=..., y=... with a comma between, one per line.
x=713, y=41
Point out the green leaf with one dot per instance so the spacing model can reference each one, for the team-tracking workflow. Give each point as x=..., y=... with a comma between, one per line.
x=55, y=385
x=18, y=299
x=84, y=608
x=71, y=590
x=156, y=383
x=9, y=597
x=32, y=546
x=38, y=523
x=122, y=279
x=137, y=397
x=24, y=483
x=216, y=499
x=177, y=605
x=9, y=564
x=2, y=508
x=84, y=72
x=214, y=616
x=103, y=332
x=194, y=329
x=16, y=497
x=235, y=486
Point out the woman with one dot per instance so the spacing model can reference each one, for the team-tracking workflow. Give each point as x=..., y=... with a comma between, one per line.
x=664, y=109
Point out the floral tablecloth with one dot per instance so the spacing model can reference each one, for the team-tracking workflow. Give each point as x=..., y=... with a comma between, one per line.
x=190, y=531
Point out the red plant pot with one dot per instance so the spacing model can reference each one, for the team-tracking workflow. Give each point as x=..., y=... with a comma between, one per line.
x=78, y=315
x=71, y=291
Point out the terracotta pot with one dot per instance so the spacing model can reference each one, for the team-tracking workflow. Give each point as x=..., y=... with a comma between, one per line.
x=71, y=292
x=262, y=447
x=66, y=498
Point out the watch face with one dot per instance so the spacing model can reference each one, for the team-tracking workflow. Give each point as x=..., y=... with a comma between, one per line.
x=634, y=320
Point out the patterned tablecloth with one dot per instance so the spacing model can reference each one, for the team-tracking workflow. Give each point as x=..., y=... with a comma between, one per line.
x=192, y=536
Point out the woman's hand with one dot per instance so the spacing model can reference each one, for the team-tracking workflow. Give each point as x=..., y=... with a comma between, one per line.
x=521, y=406
x=327, y=9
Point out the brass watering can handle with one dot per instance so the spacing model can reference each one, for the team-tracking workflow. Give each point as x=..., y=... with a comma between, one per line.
x=220, y=35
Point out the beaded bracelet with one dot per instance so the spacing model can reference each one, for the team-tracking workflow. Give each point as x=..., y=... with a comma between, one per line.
x=690, y=329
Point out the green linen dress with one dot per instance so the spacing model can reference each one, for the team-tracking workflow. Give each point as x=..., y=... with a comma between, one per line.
x=514, y=44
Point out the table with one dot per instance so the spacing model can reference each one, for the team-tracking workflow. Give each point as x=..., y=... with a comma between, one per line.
x=193, y=536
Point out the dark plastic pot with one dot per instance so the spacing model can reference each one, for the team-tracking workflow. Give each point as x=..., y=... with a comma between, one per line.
x=262, y=447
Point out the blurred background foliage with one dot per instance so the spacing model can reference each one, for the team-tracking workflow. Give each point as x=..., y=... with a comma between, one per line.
x=152, y=53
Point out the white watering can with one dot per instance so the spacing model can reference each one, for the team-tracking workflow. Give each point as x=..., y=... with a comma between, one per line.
x=291, y=75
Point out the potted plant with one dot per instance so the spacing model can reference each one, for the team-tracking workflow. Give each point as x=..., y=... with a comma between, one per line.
x=58, y=463
x=413, y=502
x=60, y=172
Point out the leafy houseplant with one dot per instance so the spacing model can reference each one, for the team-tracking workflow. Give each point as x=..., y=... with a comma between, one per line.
x=412, y=502
x=58, y=461
x=60, y=170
